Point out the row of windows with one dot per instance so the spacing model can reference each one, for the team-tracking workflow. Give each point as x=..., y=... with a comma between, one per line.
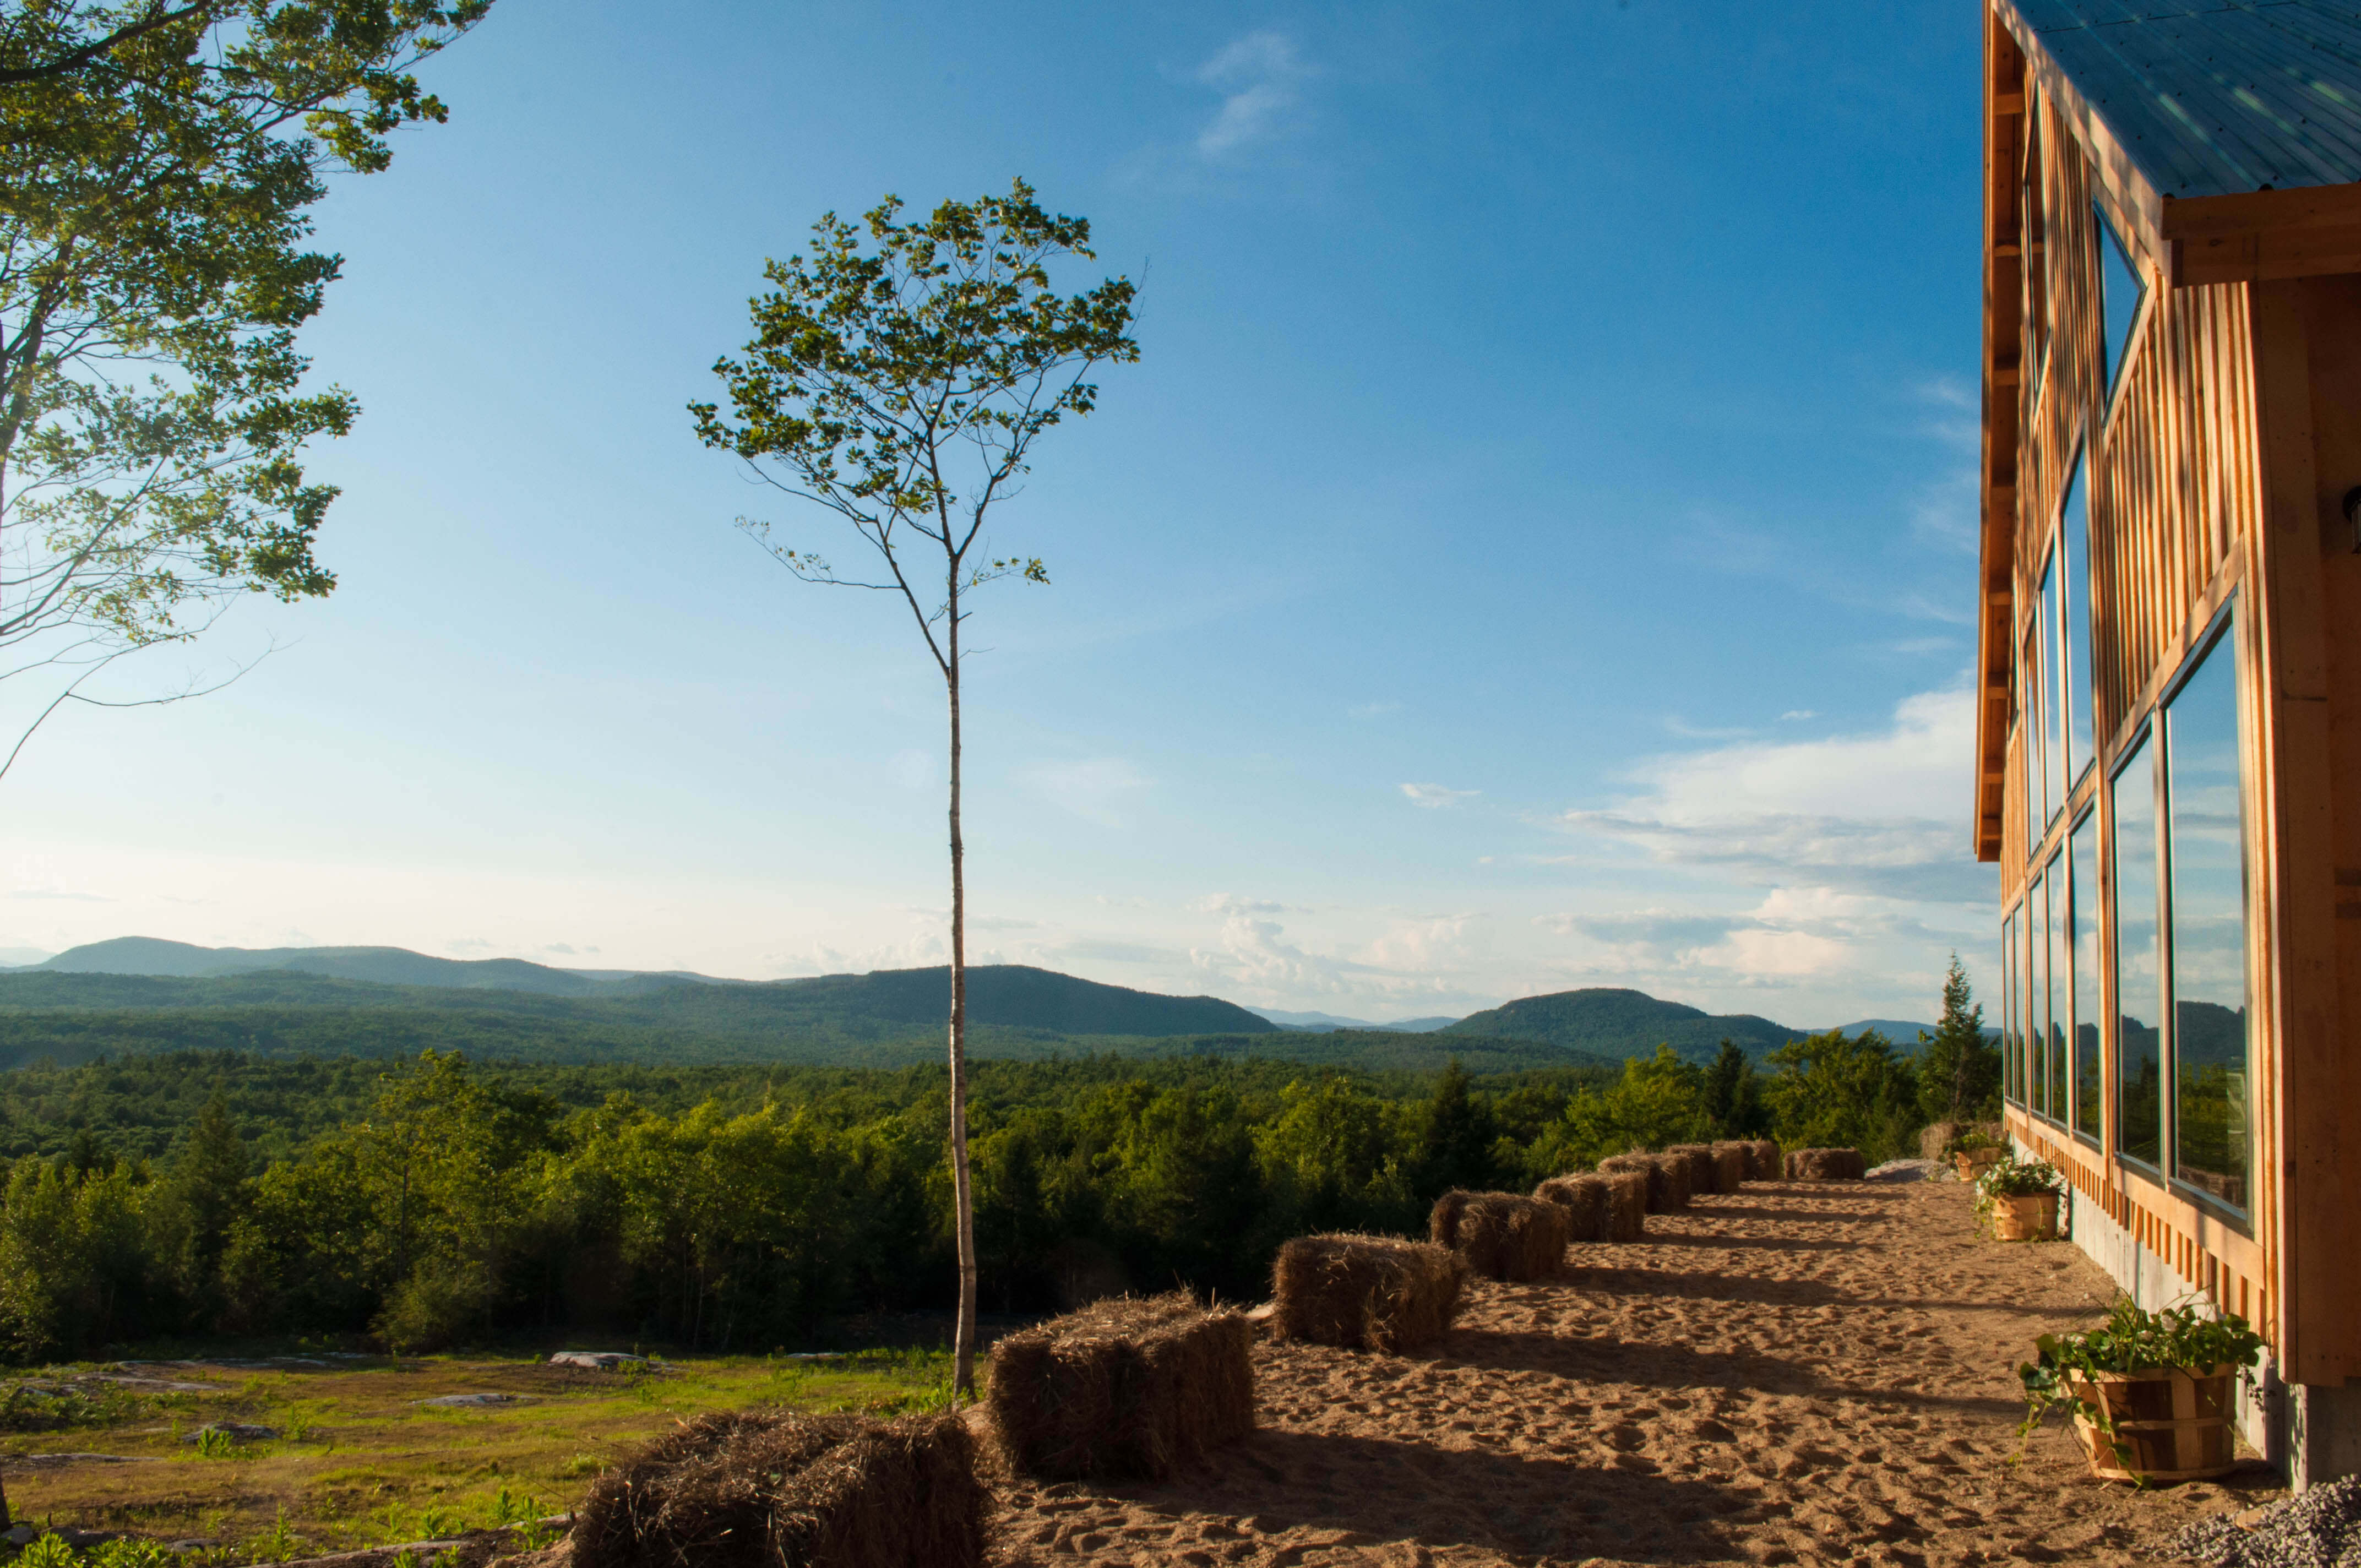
x=2179, y=952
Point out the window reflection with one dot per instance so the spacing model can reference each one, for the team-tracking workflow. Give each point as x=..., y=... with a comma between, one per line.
x=2139, y=982
x=2120, y=289
x=2209, y=929
x=2075, y=623
x=2054, y=976
x=2089, y=1104
x=2010, y=1030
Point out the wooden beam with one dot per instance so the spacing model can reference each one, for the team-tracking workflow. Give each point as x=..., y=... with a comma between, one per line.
x=2259, y=236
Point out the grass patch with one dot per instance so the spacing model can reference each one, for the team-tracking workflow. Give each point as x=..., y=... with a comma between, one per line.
x=360, y=1460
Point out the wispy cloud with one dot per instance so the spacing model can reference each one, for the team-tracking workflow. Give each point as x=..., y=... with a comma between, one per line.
x=1793, y=714
x=1259, y=77
x=1373, y=710
x=1436, y=797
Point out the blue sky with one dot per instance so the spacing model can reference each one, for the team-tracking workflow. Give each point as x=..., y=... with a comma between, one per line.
x=1534, y=549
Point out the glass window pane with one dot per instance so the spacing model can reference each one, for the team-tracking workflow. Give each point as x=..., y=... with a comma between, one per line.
x=2089, y=1103
x=2206, y=842
x=2120, y=288
x=2139, y=1105
x=2052, y=709
x=2074, y=587
x=2029, y=729
x=2008, y=1028
x=2053, y=979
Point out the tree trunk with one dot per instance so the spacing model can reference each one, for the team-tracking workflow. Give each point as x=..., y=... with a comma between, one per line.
x=963, y=1347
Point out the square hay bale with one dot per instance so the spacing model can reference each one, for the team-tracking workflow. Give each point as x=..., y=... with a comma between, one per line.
x=1584, y=1200
x=1826, y=1165
x=1127, y=1387
x=1705, y=1175
x=1503, y=1235
x=1767, y=1163
x=1668, y=1178
x=1627, y=1205
x=776, y=1488
x=1380, y=1293
x=1733, y=1164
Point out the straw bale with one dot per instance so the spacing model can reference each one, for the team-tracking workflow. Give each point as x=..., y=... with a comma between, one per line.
x=1627, y=1205
x=1704, y=1174
x=1503, y=1235
x=1378, y=1293
x=1668, y=1178
x=1826, y=1165
x=1584, y=1200
x=1761, y=1158
x=776, y=1488
x=1127, y=1387
x=1730, y=1165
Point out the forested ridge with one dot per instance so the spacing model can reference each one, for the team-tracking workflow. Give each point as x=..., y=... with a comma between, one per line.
x=438, y=1198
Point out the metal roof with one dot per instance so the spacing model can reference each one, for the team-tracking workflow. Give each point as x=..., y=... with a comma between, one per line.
x=2210, y=97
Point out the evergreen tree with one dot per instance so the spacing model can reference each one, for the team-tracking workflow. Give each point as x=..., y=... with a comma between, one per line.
x=1456, y=1150
x=1959, y=1071
x=1733, y=1095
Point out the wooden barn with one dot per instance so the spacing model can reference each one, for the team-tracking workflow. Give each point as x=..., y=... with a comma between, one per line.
x=2168, y=727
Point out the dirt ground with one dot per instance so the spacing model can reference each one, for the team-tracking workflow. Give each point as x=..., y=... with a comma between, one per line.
x=1798, y=1375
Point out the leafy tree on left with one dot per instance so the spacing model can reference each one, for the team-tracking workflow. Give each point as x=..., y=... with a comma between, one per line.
x=158, y=160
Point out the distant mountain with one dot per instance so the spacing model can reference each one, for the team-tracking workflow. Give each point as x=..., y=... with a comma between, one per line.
x=1321, y=1023
x=20, y=958
x=379, y=966
x=1619, y=1023
x=1901, y=1031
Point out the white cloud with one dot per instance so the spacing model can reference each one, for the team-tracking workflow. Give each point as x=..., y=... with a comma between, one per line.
x=1435, y=797
x=1259, y=77
x=1884, y=812
x=1098, y=789
x=1795, y=713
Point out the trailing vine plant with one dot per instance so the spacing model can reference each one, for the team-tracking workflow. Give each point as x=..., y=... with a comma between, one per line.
x=2132, y=1340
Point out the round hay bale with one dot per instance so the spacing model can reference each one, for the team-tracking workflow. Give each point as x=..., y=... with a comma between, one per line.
x=1627, y=1205
x=1380, y=1293
x=1503, y=1235
x=1826, y=1165
x=1705, y=1175
x=1668, y=1178
x=762, y=1489
x=1584, y=1200
x=1129, y=1386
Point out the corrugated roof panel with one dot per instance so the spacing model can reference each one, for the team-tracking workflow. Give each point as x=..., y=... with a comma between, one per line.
x=2214, y=96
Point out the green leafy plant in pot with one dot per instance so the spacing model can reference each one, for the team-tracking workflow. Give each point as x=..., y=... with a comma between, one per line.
x=2017, y=1199
x=2152, y=1394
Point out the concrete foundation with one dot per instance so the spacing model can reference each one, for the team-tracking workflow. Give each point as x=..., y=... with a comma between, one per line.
x=2312, y=1431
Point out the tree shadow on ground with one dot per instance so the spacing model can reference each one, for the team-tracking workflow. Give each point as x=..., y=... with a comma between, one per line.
x=1337, y=1490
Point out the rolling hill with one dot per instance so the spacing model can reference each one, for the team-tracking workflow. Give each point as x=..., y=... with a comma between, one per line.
x=1610, y=1021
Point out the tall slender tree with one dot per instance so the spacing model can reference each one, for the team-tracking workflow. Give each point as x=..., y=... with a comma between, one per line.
x=901, y=384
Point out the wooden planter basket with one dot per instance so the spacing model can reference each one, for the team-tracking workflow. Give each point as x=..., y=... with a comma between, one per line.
x=1972, y=1163
x=2032, y=1218
x=2170, y=1425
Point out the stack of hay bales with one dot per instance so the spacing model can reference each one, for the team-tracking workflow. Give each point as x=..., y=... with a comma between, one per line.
x=1378, y=1293
x=1668, y=1178
x=1599, y=1208
x=1826, y=1165
x=1748, y=1156
x=1627, y=1204
x=1130, y=1387
x=1733, y=1166
x=762, y=1489
x=1503, y=1235
x=1705, y=1171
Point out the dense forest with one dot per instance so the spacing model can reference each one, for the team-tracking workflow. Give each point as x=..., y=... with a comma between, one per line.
x=439, y=1200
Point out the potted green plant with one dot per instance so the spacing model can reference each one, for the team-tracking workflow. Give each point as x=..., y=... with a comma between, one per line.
x=2016, y=1199
x=1975, y=1153
x=2152, y=1394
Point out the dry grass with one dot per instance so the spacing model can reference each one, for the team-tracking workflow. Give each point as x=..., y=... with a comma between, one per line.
x=1503, y=1235
x=1705, y=1171
x=1668, y=1178
x=360, y=1462
x=1825, y=1165
x=1127, y=1387
x=1585, y=1199
x=1378, y=1293
x=790, y=1489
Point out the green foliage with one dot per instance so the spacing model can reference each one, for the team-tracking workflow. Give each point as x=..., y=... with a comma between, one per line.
x=1959, y=1070
x=156, y=170
x=2130, y=1339
x=1614, y=1022
x=2013, y=1178
x=48, y=1550
x=1833, y=1090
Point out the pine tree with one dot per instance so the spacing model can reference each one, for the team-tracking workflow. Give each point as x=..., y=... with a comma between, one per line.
x=1959, y=1072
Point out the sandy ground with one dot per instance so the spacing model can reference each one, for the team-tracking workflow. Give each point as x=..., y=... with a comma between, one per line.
x=1800, y=1374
